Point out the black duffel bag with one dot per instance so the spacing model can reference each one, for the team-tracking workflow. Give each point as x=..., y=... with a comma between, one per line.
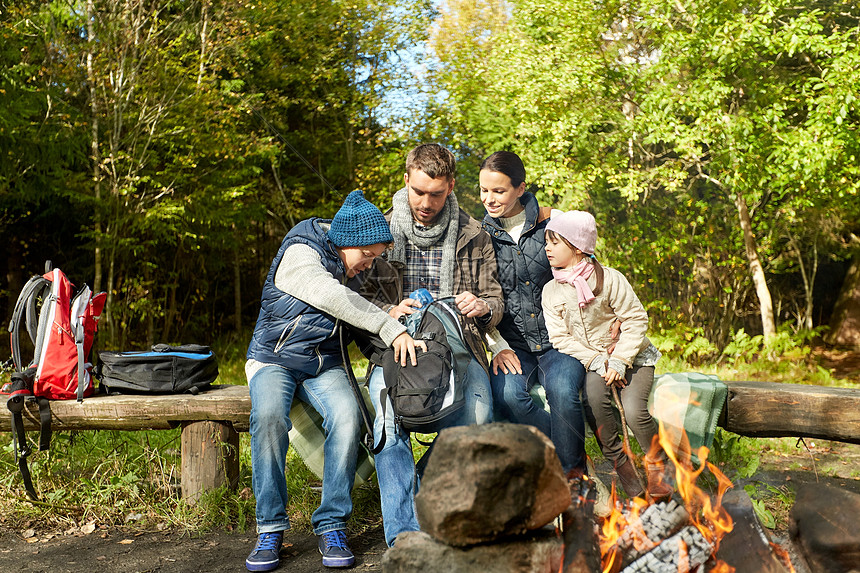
x=163, y=370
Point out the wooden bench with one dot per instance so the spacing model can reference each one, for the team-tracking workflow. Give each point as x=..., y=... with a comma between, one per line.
x=211, y=420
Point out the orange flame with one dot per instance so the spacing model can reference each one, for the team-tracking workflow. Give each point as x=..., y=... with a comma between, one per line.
x=783, y=556
x=707, y=515
x=710, y=518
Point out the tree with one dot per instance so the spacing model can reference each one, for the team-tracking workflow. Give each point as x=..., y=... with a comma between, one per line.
x=673, y=121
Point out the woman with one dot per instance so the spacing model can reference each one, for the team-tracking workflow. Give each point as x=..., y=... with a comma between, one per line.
x=524, y=356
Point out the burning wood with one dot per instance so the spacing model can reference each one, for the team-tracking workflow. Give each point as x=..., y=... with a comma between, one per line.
x=684, y=551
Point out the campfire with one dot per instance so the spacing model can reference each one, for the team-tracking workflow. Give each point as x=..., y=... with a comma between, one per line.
x=491, y=493
x=679, y=535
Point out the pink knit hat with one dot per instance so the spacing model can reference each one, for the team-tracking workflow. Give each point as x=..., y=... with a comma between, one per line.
x=578, y=227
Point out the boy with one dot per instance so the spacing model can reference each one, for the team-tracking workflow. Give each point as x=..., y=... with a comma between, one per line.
x=295, y=352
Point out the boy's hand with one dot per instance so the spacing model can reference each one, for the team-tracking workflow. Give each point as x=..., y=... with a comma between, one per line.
x=405, y=345
x=470, y=305
x=508, y=361
x=406, y=306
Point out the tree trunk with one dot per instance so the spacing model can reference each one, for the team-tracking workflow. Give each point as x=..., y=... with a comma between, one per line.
x=237, y=290
x=94, y=149
x=808, y=276
x=765, y=301
x=845, y=321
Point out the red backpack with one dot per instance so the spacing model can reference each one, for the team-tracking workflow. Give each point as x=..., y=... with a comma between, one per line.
x=62, y=332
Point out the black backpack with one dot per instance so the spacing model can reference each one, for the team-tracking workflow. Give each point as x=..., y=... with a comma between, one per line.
x=163, y=370
x=428, y=396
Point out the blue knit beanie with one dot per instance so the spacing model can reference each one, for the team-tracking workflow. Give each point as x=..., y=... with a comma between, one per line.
x=359, y=223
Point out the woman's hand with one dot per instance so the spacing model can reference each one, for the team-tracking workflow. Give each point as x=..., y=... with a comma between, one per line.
x=405, y=345
x=508, y=361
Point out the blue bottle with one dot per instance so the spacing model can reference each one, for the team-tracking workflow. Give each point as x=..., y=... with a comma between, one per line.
x=422, y=296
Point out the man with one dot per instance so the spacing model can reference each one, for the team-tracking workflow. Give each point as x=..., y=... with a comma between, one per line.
x=439, y=247
x=295, y=352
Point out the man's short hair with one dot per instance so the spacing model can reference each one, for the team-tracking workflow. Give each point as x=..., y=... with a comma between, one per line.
x=432, y=159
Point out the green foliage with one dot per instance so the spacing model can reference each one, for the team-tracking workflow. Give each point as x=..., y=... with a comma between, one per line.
x=707, y=139
x=736, y=456
x=771, y=504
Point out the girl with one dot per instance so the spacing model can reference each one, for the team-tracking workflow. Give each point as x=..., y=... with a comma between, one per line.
x=579, y=306
x=523, y=355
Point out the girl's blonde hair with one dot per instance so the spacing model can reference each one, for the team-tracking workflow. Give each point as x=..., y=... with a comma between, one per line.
x=598, y=269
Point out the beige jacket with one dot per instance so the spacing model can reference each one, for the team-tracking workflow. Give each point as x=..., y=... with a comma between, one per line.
x=584, y=332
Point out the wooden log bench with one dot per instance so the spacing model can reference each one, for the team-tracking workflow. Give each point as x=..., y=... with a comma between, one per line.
x=211, y=420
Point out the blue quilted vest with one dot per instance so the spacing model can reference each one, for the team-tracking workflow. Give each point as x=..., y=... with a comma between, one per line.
x=523, y=270
x=289, y=332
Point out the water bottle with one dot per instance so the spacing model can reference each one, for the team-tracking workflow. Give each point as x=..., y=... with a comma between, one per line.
x=422, y=296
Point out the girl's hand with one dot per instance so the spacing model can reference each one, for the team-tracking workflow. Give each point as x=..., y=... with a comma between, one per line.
x=508, y=361
x=612, y=377
x=405, y=345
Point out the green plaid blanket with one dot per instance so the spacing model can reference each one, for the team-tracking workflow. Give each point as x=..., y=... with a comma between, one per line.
x=688, y=402
x=307, y=438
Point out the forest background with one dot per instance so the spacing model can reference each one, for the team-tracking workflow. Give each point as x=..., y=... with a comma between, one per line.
x=160, y=149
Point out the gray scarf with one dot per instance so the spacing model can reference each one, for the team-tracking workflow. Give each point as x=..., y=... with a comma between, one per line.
x=404, y=228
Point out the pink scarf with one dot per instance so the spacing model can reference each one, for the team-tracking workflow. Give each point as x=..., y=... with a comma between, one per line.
x=577, y=278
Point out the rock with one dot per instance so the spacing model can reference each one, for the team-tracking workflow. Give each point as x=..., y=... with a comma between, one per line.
x=823, y=524
x=491, y=481
x=747, y=547
x=539, y=552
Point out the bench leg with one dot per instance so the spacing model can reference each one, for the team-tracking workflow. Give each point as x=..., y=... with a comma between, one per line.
x=210, y=457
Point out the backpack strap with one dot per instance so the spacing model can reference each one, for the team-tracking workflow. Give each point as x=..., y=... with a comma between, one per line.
x=25, y=308
x=359, y=397
x=22, y=383
x=78, y=319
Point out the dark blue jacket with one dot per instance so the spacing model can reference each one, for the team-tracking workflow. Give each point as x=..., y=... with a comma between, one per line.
x=289, y=332
x=523, y=270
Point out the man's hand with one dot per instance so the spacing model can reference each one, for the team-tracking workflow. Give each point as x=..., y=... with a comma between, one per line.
x=405, y=345
x=407, y=306
x=508, y=361
x=471, y=306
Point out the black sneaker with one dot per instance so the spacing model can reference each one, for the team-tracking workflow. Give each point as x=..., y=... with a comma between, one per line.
x=265, y=555
x=335, y=552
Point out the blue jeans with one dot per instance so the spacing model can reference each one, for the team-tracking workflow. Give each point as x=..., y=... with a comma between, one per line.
x=272, y=392
x=562, y=378
x=395, y=466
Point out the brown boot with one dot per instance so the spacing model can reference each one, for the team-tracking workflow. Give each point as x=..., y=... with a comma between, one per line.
x=660, y=473
x=629, y=478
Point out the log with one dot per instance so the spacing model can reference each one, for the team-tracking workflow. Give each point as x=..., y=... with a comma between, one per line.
x=224, y=403
x=774, y=409
x=210, y=458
